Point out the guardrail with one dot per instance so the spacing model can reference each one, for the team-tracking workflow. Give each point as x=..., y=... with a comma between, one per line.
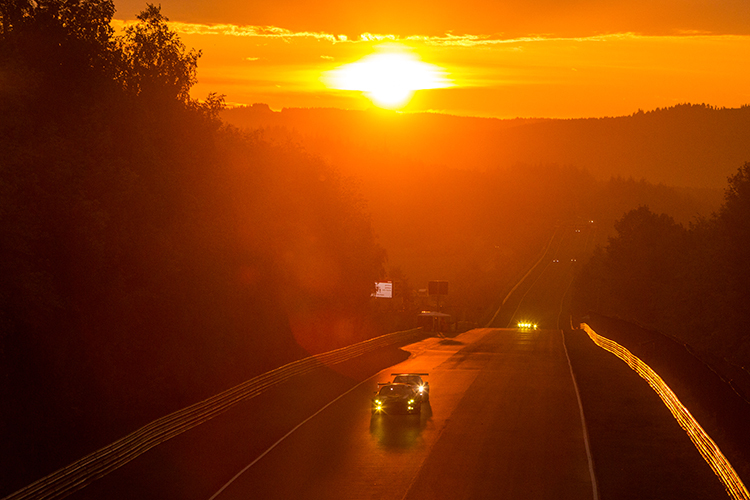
x=79, y=474
x=705, y=445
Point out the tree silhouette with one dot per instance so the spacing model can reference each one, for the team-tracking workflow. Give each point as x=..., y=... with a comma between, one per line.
x=734, y=227
x=59, y=50
x=644, y=260
x=688, y=283
x=149, y=255
x=156, y=62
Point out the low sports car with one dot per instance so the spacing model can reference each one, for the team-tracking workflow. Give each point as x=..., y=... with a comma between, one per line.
x=396, y=398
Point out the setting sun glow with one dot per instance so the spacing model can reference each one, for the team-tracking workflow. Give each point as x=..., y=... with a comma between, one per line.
x=389, y=78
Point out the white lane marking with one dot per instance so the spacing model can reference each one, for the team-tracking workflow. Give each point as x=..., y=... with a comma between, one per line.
x=521, y=280
x=284, y=437
x=595, y=489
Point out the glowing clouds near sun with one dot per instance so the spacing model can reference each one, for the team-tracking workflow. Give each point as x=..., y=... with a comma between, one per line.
x=388, y=78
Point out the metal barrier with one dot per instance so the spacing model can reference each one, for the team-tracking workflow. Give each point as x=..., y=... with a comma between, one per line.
x=77, y=475
x=706, y=446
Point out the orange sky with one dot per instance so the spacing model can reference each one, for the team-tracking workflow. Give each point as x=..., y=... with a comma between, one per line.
x=532, y=58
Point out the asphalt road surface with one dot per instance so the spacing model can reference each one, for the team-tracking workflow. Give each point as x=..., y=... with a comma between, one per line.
x=504, y=422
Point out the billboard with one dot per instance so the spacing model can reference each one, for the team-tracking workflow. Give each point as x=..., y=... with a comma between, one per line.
x=383, y=290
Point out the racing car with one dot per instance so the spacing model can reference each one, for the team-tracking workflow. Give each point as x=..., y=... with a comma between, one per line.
x=396, y=398
x=415, y=380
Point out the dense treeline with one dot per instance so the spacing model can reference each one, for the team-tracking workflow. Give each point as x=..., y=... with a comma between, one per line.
x=689, y=282
x=687, y=145
x=149, y=255
x=475, y=228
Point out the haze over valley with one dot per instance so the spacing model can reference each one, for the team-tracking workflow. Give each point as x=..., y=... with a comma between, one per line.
x=159, y=247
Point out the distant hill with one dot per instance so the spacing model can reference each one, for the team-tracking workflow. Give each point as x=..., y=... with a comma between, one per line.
x=686, y=145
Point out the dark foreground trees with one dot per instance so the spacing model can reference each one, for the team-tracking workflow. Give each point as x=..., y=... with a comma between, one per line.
x=149, y=256
x=689, y=283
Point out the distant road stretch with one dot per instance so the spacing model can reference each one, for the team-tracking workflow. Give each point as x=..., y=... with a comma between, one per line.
x=503, y=421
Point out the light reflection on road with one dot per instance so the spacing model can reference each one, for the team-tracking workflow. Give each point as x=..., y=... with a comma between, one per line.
x=400, y=432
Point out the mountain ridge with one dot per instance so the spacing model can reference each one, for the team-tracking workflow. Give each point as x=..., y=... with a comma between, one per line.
x=687, y=145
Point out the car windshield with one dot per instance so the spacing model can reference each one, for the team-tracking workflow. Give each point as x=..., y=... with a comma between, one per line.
x=407, y=380
x=394, y=390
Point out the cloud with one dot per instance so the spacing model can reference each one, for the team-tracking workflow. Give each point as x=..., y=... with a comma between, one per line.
x=250, y=31
x=494, y=74
x=513, y=18
x=446, y=40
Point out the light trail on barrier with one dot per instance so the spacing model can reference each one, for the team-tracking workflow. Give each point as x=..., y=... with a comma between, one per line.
x=702, y=441
x=96, y=465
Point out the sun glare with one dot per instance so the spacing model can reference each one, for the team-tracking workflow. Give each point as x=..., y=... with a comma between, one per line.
x=388, y=78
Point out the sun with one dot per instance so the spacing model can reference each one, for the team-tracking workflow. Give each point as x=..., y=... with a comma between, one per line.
x=388, y=78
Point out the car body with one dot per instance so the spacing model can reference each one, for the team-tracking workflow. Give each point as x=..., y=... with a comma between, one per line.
x=415, y=380
x=396, y=398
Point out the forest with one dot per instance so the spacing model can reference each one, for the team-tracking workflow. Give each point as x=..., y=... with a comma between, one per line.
x=150, y=257
x=688, y=282
x=686, y=145
x=155, y=251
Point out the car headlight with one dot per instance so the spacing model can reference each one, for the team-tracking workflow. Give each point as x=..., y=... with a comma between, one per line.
x=421, y=389
x=411, y=401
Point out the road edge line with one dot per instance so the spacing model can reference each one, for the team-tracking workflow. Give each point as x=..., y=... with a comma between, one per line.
x=592, y=473
x=245, y=469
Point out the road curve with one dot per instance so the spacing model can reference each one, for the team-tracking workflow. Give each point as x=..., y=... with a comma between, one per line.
x=503, y=423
